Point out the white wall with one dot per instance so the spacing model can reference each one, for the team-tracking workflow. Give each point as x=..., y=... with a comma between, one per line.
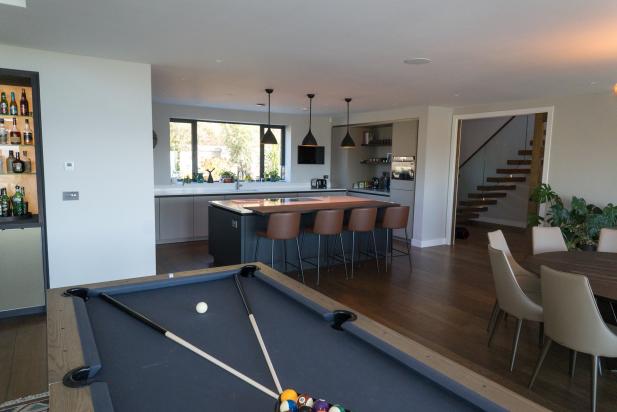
x=97, y=113
x=296, y=128
x=581, y=159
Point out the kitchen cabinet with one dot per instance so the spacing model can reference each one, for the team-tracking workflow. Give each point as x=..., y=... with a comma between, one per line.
x=405, y=138
x=369, y=196
x=200, y=216
x=176, y=219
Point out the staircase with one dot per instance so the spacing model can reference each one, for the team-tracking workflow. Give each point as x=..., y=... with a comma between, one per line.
x=497, y=187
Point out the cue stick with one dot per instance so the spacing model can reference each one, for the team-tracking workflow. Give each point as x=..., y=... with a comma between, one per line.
x=140, y=317
x=249, y=311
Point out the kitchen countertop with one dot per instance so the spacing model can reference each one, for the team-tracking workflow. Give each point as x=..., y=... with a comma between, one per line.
x=230, y=188
x=376, y=192
x=300, y=204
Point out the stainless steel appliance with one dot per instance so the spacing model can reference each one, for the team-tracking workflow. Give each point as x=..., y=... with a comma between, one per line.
x=404, y=168
x=319, y=183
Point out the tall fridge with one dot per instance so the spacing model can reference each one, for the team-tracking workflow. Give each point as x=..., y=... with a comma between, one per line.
x=23, y=260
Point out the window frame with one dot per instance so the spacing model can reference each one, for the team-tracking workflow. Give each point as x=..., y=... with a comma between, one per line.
x=262, y=130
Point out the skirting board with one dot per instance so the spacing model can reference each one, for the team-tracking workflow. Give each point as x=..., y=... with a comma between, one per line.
x=504, y=222
x=428, y=243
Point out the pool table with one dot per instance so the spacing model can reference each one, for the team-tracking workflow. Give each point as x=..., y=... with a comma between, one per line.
x=101, y=359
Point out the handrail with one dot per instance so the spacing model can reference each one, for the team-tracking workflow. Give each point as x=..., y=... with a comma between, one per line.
x=487, y=141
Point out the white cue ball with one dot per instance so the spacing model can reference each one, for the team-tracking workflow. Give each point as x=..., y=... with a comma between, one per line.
x=171, y=275
x=201, y=307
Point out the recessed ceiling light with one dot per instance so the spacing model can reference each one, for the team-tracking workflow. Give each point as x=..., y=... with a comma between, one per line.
x=261, y=104
x=219, y=60
x=456, y=95
x=593, y=83
x=417, y=61
x=16, y=3
x=305, y=108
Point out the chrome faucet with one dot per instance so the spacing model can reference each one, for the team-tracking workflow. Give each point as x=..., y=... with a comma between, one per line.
x=238, y=184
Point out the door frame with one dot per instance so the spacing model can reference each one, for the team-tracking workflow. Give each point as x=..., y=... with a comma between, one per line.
x=455, y=147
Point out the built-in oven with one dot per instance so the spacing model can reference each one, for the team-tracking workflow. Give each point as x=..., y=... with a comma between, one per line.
x=403, y=167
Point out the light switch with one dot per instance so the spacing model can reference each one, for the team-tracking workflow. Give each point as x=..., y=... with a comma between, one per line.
x=69, y=166
x=70, y=195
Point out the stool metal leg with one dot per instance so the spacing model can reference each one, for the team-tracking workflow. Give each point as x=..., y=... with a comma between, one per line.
x=547, y=346
x=572, y=362
x=340, y=235
x=285, y=254
x=408, y=248
x=594, y=381
x=353, y=247
x=256, y=248
x=387, y=247
x=375, y=248
x=318, y=255
x=300, y=259
x=272, y=251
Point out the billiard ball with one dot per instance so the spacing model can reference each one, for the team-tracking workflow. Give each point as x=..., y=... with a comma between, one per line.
x=336, y=408
x=201, y=307
x=305, y=400
x=288, y=395
x=321, y=405
x=288, y=406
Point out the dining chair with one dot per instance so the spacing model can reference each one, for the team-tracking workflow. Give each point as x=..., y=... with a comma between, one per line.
x=572, y=319
x=547, y=239
x=608, y=241
x=511, y=299
x=529, y=282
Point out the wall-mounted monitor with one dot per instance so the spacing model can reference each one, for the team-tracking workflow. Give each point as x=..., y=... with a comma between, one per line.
x=310, y=155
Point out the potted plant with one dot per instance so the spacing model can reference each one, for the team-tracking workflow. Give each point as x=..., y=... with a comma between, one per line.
x=227, y=176
x=273, y=176
x=580, y=224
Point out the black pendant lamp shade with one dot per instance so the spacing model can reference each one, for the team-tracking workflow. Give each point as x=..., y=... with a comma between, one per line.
x=268, y=137
x=309, y=139
x=348, y=142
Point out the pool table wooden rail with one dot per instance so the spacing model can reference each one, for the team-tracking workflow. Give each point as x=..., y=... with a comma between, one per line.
x=65, y=353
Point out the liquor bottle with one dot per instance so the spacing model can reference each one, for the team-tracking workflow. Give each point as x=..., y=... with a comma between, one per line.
x=5, y=203
x=28, y=137
x=24, y=106
x=18, y=164
x=4, y=134
x=9, y=162
x=18, y=202
x=4, y=105
x=13, y=110
x=27, y=162
x=2, y=162
x=14, y=134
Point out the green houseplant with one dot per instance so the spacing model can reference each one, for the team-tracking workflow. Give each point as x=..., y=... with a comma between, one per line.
x=580, y=224
x=227, y=176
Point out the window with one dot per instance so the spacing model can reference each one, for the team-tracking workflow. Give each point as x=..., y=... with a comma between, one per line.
x=197, y=146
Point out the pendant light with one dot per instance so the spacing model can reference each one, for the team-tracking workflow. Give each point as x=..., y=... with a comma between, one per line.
x=309, y=139
x=348, y=142
x=268, y=137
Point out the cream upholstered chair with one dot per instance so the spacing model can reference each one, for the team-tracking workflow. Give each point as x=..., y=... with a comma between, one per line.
x=547, y=239
x=526, y=280
x=511, y=299
x=608, y=241
x=572, y=319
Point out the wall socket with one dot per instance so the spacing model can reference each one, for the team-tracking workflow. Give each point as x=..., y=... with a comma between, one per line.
x=70, y=196
x=69, y=166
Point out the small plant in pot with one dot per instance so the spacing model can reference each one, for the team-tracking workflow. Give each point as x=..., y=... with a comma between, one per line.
x=580, y=224
x=227, y=176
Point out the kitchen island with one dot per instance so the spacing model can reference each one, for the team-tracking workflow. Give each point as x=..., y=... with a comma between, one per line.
x=233, y=225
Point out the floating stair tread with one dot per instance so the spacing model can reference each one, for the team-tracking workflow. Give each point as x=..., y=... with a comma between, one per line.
x=527, y=152
x=496, y=188
x=518, y=162
x=506, y=179
x=472, y=209
x=485, y=195
x=510, y=171
x=479, y=202
x=467, y=216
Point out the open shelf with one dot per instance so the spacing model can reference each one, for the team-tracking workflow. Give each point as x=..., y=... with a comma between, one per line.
x=385, y=142
x=17, y=116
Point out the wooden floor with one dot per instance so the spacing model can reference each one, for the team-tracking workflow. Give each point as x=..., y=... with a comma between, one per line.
x=444, y=304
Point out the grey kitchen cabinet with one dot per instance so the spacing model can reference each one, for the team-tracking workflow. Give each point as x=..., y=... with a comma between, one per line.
x=176, y=219
x=405, y=138
x=157, y=218
x=21, y=269
x=200, y=216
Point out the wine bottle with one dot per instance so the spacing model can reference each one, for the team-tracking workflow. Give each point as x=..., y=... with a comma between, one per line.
x=4, y=105
x=27, y=162
x=15, y=135
x=18, y=164
x=2, y=162
x=28, y=137
x=18, y=202
x=9, y=162
x=13, y=110
x=5, y=203
x=24, y=106
x=4, y=134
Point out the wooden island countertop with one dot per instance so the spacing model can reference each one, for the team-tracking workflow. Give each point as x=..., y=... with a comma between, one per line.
x=299, y=204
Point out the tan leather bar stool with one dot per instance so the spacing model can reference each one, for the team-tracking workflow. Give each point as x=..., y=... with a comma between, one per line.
x=362, y=220
x=328, y=223
x=282, y=226
x=395, y=217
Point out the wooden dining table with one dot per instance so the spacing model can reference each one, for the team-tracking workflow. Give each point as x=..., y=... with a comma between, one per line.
x=599, y=267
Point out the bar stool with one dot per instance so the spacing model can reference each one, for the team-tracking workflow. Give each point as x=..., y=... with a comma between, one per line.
x=395, y=217
x=362, y=220
x=328, y=223
x=282, y=226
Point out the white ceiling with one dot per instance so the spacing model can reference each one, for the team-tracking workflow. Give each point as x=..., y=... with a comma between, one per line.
x=223, y=53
